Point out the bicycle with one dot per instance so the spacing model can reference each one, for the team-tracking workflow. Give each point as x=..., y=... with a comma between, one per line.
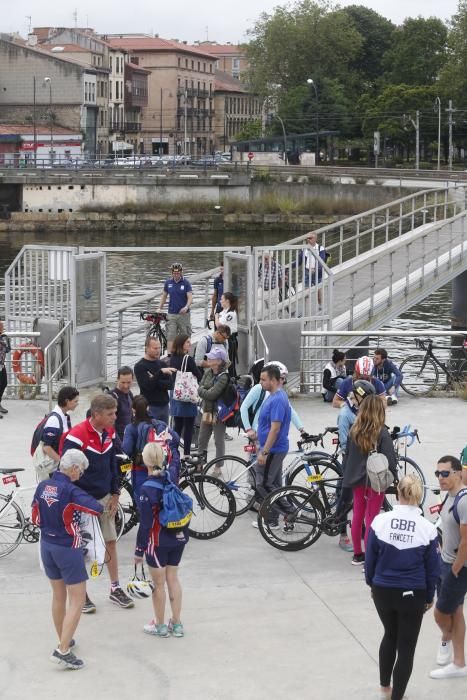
x=156, y=330
x=14, y=525
x=405, y=437
x=239, y=475
x=421, y=373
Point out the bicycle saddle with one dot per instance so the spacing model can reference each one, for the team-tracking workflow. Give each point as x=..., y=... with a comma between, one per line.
x=11, y=471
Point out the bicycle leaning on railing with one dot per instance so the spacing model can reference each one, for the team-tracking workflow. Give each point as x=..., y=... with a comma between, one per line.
x=422, y=372
x=155, y=328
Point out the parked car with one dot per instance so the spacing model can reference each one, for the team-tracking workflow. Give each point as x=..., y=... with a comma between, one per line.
x=207, y=162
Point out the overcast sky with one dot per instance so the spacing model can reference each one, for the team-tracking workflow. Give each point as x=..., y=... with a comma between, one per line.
x=184, y=19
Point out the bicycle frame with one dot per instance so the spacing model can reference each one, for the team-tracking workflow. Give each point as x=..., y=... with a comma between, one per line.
x=451, y=374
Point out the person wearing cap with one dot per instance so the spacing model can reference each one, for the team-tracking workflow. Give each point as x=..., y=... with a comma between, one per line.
x=179, y=290
x=212, y=386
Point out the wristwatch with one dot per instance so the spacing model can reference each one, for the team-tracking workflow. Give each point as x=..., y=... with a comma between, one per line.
x=264, y=453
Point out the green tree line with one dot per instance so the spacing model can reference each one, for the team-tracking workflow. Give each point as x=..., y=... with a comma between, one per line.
x=367, y=74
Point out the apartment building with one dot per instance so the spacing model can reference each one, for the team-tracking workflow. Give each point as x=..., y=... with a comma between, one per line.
x=235, y=106
x=179, y=117
x=230, y=58
x=47, y=89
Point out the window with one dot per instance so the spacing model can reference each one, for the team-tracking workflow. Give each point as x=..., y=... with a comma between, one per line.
x=186, y=63
x=179, y=60
x=192, y=65
x=204, y=67
x=110, y=63
x=199, y=66
x=117, y=84
x=110, y=90
x=236, y=68
x=210, y=67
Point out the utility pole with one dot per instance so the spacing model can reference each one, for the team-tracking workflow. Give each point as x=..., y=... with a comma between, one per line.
x=450, y=111
x=438, y=106
x=185, y=111
x=417, y=140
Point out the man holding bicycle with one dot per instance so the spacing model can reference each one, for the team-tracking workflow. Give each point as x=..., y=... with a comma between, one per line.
x=180, y=294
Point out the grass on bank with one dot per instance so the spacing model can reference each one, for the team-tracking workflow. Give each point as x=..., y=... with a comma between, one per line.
x=268, y=204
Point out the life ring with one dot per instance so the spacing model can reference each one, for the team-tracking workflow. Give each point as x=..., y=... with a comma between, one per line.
x=38, y=357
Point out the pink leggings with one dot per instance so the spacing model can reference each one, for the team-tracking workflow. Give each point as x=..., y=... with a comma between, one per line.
x=366, y=506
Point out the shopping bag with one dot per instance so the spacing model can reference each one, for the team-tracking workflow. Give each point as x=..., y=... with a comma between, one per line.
x=186, y=385
x=93, y=544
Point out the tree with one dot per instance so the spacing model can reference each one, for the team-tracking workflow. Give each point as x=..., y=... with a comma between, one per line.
x=418, y=53
x=251, y=130
x=377, y=36
x=453, y=77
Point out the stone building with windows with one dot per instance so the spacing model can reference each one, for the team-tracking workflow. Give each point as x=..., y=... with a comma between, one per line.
x=230, y=58
x=179, y=117
x=235, y=106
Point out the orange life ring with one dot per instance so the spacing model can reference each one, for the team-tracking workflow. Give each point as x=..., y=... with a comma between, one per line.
x=37, y=354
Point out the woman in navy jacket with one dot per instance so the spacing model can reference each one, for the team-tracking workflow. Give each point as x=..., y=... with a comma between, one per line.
x=402, y=566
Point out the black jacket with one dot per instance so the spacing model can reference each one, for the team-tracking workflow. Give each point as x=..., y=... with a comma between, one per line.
x=153, y=383
x=191, y=366
x=355, y=460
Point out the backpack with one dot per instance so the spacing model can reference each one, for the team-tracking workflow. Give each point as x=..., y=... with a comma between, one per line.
x=378, y=473
x=177, y=507
x=453, y=508
x=230, y=403
x=37, y=434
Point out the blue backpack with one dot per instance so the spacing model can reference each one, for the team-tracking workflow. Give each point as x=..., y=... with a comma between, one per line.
x=177, y=507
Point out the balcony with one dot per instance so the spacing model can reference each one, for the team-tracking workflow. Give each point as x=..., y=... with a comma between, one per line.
x=193, y=92
x=132, y=126
x=124, y=128
x=195, y=112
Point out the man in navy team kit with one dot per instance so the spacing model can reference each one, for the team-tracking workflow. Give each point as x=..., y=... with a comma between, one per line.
x=180, y=294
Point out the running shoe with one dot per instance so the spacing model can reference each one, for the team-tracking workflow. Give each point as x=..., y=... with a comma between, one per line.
x=120, y=598
x=271, y=526
x=67, y=660
x=4, y=410
x=444, y=654
x=217, y=472
x=176, y=629
x=449, y=671
x=228, y=437
x=345, y=543
x=88, y=607
x=389, y=401
x=156, y=630
x=358, y=559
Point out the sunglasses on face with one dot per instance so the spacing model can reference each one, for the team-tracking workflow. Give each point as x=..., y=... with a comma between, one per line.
x=444, y=473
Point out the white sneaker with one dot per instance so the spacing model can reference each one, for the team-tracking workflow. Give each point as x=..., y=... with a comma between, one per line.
x=217, y=472
x=276, y=526
x=394, y=399
x=444, y=654
x=449, y=671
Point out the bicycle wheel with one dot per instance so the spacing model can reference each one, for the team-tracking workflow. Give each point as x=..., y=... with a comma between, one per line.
x=299, y=514
x=238, y=477
x=327, y=488
x=213, y=506
x=461, y=376
x=418, y=381
x=119, y=521
x=11, y=525
x=128, y=505
x=405, y=466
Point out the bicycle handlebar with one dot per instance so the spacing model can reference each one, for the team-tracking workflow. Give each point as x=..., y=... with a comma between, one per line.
x=398, y=434
x=151, y=317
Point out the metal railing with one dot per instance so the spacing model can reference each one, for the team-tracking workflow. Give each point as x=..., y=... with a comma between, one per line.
x=60, y=366
x=316, y=350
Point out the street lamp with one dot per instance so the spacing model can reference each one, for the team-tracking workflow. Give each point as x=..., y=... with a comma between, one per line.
x=49, y=82
x=438, y=105
x=312, y=83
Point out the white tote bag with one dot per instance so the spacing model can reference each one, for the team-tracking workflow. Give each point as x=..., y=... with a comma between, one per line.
x=186, y=385
x=93, y=544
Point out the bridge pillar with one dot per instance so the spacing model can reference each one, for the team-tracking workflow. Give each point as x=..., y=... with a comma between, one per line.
x=459, y=302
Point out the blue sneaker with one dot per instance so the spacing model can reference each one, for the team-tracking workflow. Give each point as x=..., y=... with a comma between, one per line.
x=176, y=629
x=156, y=630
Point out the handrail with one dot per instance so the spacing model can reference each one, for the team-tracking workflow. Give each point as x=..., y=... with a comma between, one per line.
x=48, y=376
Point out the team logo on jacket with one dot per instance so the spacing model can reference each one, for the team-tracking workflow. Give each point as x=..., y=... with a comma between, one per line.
x=50, y=495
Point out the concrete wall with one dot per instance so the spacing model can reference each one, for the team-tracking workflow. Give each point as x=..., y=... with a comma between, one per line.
x=369, y=195
x=67, y=198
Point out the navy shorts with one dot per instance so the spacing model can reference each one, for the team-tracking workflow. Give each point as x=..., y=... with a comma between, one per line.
x=64, y=563
x=165, y=556
x=451, y=590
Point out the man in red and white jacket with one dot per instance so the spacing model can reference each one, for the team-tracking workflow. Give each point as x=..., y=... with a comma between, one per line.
x=95, y=437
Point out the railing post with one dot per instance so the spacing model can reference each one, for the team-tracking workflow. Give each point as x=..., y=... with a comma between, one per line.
x=119, y=339
x=372, y=288
x=401, y=213
x=391, y=274
x=357, y=239
x=407, y=270
x=352, y=297
x=387, y=224
x=341, y=244
x=373, y=224
x=422, y=276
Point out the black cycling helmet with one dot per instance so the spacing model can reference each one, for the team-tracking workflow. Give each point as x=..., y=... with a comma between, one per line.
x=177, y=267
x=361, y=388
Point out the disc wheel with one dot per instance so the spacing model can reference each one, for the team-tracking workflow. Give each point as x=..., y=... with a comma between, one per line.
x=238, y=476
x=297, y=512
x=213, y=506
x=11, y=526
x=420, y=376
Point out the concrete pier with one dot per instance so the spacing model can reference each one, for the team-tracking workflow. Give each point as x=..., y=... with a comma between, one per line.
x=260, y=624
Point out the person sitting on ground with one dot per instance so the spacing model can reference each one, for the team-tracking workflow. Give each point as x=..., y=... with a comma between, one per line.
x=402, y=566
x=124, y=398
x=163, y=548
x=333, y=375
x=251, y=405
x=387, y=372
x=184, y=412
x=346, y=400
x=55, y=502
x=142, y=430
x=219, y=337
x=179, y=290
x=154, y=379
x=212, y=386
x=58, y=424
x=228, y=317
x=367, y=433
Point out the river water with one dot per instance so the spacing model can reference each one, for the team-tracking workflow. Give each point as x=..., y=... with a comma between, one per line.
x=131, y=274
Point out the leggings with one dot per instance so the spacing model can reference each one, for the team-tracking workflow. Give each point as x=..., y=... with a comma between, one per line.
x=366, y=506
x=3, y=381
x=185, y=425
x=402, y=617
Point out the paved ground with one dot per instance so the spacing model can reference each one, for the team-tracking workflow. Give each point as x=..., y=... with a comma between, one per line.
x=260, y=623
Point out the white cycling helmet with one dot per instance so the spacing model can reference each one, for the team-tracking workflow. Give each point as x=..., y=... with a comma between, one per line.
x=140, y=587
x=364, y=366
x=282, y=368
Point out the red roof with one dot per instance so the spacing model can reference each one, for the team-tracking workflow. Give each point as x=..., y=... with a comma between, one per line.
x=221, y=49
x=13, y=129
x=224, y=82
x=67, y=48
x=136, y=44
